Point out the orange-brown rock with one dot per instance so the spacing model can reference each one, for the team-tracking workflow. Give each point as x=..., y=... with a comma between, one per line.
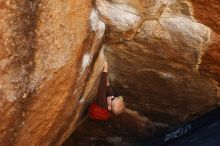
x=163, y=57
x=49, y=68
x=211, y=59
x=155, y=60
x=207, y=12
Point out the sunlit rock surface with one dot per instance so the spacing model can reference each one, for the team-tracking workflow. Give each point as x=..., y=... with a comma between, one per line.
x=49, y=68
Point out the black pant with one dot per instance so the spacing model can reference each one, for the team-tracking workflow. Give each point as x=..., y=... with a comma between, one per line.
x=104, y=91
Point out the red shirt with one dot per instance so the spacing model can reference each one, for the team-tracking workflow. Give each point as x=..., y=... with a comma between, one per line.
x=96, y=112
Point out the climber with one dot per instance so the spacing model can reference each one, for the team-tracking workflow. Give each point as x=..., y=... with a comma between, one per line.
x=106, y=103
x=107, y=106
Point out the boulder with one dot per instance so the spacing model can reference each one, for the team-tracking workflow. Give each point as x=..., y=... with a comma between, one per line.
x=164, y=58
x=50, y=63
x=163, y=61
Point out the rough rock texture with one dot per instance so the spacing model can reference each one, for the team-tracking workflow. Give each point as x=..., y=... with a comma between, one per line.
x=161, y=59
x=207, y=12
x=49, y=66
x=164, y=58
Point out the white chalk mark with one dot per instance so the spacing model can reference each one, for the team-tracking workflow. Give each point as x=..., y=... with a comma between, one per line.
x=86, y=61
x=96, y=24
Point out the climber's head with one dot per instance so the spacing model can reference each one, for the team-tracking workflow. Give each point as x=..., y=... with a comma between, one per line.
x=116, y=104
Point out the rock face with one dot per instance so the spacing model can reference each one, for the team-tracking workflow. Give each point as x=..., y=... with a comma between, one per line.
x=163, y=57
x=207, y=12
x=49, y=65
